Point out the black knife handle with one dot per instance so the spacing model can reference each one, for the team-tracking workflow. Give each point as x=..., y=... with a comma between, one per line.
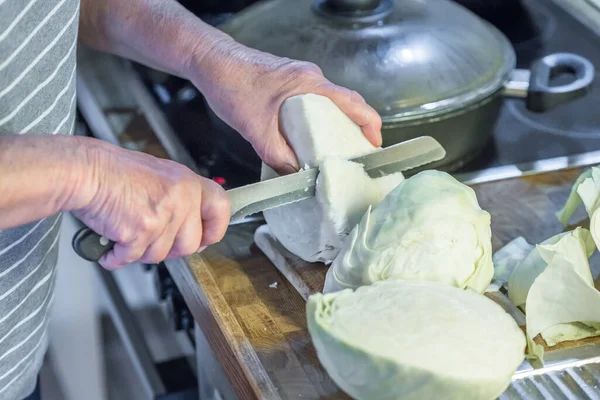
x=90, y=246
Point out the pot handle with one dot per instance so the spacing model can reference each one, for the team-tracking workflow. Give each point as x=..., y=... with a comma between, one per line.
x=535, y=86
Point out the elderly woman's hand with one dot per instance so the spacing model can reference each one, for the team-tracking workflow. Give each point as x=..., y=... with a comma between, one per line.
x=246, y=88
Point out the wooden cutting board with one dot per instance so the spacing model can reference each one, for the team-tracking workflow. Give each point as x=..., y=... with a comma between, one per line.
x=519, y=207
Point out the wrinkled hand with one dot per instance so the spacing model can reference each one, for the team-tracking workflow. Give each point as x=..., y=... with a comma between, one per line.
x=153, y=209
x=247, y=88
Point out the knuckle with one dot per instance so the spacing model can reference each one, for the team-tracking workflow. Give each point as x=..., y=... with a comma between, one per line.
x=248, y=127
x=301, y=70
x=333, y=91
x=133, y=255
x=217, y=200
x=312, y=68
x=124, y=235
x=187, y=246
x=180, y=182
x=149, y=222
x=219, y=236
x=355, y=97
x=222, y=203
x=156, y=256
x=343, y=91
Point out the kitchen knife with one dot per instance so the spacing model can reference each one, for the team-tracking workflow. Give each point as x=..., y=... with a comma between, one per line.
x=256, y=197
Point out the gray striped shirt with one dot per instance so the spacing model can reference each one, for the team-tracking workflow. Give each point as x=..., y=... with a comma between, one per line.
x=37, y=96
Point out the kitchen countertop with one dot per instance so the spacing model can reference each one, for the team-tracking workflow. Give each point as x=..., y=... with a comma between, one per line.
x=258, y=332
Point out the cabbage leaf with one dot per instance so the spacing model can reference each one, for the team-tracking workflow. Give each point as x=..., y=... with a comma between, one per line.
x=562, y=302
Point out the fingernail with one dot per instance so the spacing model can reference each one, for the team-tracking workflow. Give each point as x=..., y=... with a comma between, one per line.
x=289, y=169
x=201, y=249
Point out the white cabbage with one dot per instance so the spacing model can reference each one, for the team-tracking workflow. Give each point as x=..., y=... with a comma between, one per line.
x=322, y=135
x=552, y=282
x=526, y=270
x=430, y=227
x=344, y=192
x=415, y=340
x=562, y=302
x=573, y=201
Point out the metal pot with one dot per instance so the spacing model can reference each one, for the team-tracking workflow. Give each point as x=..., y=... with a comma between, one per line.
x=428, y=67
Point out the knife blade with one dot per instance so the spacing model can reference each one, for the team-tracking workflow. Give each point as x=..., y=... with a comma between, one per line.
x=265, y=195
x=261, y=196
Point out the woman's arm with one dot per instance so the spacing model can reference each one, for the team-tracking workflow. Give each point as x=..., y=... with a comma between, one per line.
x=159, y=33
x=244, y=87
x=152, y=208
x=39, y=176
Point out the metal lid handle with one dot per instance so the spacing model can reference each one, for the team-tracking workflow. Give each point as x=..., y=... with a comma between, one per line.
x=353, y=5
x=353, y=11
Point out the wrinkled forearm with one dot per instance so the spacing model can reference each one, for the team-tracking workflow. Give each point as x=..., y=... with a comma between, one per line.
x=40, y=176
x=159, y=33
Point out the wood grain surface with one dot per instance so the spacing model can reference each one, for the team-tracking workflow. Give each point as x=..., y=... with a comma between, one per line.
x=254, y=318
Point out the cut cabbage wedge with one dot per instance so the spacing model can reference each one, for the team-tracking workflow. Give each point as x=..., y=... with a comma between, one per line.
x=430, y=227
x=322, y=135
x=415, y=340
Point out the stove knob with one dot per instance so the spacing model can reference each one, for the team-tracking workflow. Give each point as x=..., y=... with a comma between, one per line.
x=220, y=180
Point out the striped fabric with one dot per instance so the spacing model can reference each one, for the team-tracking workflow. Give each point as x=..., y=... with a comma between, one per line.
x=37, y=96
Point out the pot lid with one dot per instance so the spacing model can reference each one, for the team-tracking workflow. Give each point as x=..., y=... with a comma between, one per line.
x=405, y=57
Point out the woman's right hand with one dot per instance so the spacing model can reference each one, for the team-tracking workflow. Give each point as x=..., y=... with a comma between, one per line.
x=153, y=209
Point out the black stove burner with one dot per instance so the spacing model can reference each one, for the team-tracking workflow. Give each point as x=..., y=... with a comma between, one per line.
x=526, y=27
x=509, y=16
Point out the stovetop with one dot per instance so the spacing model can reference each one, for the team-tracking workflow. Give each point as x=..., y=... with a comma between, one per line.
x=534, y=27
x=537, y=28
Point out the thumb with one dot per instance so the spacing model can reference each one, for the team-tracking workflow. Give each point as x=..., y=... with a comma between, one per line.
x=278, y=155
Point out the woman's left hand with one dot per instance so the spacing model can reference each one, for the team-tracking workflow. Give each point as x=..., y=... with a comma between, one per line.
x=246, y=89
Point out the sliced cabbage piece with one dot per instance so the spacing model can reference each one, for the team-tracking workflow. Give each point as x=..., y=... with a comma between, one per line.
x=344, y=192
x=586, y=190
x=314, y=229
x=415, y=340
x=430, y=227
x=573, y=201
x=525, y=272
x=562, y=302
x=531, y=266
x=589, y=191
